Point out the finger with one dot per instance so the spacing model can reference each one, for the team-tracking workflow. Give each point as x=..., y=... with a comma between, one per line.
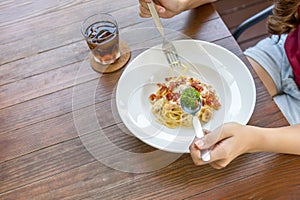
x=219, y=151
x=212, y=138
x=163, y=13
x=222, y=154
x=160, y=10
x=195, y=154
x=215, y=165
x=144, y=1
x=144, y=12
x=205, y=131
x=221, y=164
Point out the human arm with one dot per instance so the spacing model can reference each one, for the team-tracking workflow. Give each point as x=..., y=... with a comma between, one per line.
x=233, y=139
x=278, y=140
x=168, y=9
x=264, y=77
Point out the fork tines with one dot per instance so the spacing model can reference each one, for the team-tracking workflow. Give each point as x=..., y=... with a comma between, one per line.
x=171, y=54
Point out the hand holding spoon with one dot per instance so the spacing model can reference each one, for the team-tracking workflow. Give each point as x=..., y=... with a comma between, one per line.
x=190, y=102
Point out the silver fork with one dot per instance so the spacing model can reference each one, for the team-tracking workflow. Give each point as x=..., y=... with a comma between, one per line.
x=171, y=54
x=167, y=46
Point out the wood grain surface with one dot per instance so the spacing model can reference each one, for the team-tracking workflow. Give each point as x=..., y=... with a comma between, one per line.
x=42, y=151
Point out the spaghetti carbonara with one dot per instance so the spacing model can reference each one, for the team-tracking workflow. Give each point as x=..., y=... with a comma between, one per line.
x=166, y=107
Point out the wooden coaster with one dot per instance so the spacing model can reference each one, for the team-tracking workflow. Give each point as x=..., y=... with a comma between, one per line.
x=121, y=62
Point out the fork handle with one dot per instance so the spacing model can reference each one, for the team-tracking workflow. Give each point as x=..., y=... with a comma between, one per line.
x=156, y=18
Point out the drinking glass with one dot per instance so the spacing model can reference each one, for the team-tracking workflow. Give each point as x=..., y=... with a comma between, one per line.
x=102, y=36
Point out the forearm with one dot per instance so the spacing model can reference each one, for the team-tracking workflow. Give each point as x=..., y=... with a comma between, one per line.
x=190, y=4
x=279, y=140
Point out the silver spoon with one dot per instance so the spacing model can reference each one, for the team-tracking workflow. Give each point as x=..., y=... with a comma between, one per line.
x=190, y=102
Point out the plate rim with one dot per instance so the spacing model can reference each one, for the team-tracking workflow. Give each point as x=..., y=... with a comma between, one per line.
x=128, y=69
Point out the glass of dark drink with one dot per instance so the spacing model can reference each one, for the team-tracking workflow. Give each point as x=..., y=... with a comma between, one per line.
x=102, y=36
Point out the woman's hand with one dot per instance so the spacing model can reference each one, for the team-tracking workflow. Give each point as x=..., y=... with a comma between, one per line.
x=168, y=9
x=165, y=8
x=232, y=139
x=226, y=143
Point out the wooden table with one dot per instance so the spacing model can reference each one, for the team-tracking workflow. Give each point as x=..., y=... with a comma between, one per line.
x=42, y=155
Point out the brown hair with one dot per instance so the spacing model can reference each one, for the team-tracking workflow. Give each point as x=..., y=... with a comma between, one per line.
x=285, y=17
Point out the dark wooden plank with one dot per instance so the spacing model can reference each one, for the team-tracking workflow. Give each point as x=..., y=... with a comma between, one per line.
x=52, y=131
x=230, y=6
x=46, y=107
x=40, y=63
x=65, y=33
x=23, y=9
x=281, y=182
x=41, y=17
x=93, y=179
x=63, y=157
x=39, y=85
x=41, y=164
x=253, y=34
x=235, y=18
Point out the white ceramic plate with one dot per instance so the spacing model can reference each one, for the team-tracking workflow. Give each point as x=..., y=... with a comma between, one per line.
x=222, y=69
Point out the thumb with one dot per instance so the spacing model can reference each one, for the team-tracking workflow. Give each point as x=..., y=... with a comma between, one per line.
x=163, y=12
x=210, y=138
x=160, y=9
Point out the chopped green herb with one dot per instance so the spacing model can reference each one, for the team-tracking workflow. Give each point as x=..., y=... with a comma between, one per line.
x=190, y=98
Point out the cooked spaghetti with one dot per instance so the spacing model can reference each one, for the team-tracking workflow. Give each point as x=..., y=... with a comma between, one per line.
x=166, y=107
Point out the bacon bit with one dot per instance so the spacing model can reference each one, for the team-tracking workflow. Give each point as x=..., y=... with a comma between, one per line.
x=203, y=103
x=193, y=85
x=172, y=86
x=168, y=78
x=217, y=104
x=169, y=96
x=181, y=82
x=163, y=88
x=152, y=97
x=198, y=87
x=175, y=96
x=208, y=102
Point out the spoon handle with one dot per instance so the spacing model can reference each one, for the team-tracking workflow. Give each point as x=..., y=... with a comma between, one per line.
x=199, y=133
